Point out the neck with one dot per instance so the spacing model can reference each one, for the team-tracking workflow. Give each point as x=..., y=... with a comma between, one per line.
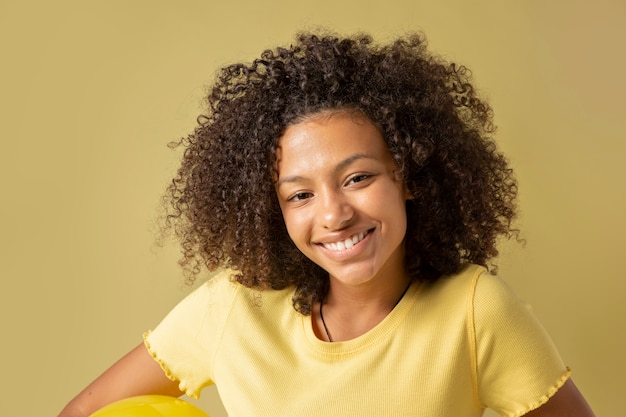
x=373, y=297
x=337, y=318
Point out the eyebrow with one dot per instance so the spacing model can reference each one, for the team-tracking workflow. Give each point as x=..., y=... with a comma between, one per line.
x=341, y=165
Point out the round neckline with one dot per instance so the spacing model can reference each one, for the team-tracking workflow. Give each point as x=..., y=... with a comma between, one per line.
x=375, y=335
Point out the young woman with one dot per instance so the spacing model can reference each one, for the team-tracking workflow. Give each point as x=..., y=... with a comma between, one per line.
x=349, y=197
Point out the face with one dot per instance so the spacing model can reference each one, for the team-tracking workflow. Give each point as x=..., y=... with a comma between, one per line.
x=341, y=198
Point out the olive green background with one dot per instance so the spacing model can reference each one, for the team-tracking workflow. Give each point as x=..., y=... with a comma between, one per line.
x=91, y=92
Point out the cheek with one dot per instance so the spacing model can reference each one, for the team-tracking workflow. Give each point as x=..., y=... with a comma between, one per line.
x=295, y=227
x=293, y=223
x=392, y=207
x=388, y=199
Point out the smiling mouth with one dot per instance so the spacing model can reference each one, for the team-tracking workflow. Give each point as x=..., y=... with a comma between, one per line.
x=346, y=244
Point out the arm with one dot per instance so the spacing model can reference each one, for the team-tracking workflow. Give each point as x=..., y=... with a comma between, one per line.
x=567, y=402
x=137, y=373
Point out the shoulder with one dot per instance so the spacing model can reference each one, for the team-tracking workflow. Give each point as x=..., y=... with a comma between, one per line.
x=222, y=292
x=493, y=297
x=217, y=290
x=450, y=296
x=455, y=287
x=476, y=285
x=214, y=296
x=472, y=291
x=222, y=282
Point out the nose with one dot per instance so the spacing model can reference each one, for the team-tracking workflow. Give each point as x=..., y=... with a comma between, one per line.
x=335, y=211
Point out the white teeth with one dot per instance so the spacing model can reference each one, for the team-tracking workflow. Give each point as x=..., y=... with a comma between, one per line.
x=345, y=244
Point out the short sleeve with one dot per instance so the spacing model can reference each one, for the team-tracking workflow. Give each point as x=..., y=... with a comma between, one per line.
x=518, y=366
x=185, y=341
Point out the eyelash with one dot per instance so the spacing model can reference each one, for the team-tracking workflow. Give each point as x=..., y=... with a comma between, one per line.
x=360, y=177
x=354, y=179
x=298, y=196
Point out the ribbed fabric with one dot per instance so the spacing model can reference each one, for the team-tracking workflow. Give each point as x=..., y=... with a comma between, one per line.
x=451, y=348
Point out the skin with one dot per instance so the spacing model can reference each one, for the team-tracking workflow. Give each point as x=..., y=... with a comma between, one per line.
x=137, y=373
x=568, y=401
x=336, y=180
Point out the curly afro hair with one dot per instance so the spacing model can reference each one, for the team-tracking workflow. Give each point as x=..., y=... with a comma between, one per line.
x=223, y=204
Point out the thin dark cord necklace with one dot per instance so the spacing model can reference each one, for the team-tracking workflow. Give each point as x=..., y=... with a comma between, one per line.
x=330, y=339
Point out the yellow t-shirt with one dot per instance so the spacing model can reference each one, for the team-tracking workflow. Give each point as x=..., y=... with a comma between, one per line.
x=449, y=348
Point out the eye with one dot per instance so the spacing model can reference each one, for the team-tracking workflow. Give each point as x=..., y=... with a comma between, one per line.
x=300, y=196
x=358, y=178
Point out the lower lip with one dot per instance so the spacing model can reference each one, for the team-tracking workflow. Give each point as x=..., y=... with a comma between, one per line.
x=348, y=252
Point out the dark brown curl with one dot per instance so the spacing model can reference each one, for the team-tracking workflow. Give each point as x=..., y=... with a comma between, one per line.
x=223, y=205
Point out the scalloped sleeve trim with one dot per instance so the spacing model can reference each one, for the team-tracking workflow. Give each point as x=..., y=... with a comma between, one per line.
x=190, y=393
x=544, y=399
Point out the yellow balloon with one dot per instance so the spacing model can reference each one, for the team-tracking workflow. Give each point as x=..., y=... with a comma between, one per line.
x=150, y=406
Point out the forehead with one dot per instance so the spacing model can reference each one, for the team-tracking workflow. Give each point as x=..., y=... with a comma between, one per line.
x=328, y=137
